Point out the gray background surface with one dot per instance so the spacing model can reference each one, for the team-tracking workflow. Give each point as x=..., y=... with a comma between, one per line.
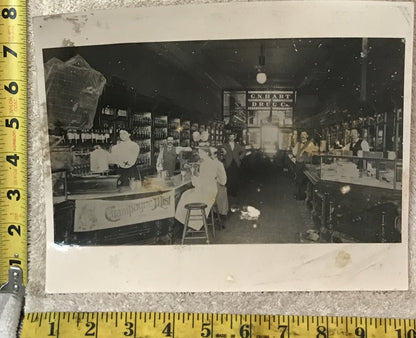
x=374, y=304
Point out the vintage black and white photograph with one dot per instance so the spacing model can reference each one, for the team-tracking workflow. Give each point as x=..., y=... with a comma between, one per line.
x=252, y=145
x=227, y=142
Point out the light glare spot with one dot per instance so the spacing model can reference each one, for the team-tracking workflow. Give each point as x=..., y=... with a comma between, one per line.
x=345, y=189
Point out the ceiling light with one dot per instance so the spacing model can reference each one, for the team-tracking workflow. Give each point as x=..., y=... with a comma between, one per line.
x=261, y=76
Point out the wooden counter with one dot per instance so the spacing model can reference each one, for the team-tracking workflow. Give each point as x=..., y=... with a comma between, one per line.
x=125, y=216
x=355, y=212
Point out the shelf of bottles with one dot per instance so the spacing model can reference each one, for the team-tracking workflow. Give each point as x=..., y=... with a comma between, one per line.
x=398, y=132
x=185, y=134
x=160, y=133
x=141, y=133
x=174, y=130
x=82, y=142
x=194, y=128
x=373, y=130
x=108, y=113
x=216, y=133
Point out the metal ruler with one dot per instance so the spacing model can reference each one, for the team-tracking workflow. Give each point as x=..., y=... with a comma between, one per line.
x=13, y=138
x=187, y=325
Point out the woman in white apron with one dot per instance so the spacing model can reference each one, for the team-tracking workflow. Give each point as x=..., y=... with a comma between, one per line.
x=204, y=191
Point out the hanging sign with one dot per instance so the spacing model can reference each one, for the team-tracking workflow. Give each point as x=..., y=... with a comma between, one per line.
x=274, y=99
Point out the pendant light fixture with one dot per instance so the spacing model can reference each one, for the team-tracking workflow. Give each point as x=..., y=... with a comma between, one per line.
x=261, y=76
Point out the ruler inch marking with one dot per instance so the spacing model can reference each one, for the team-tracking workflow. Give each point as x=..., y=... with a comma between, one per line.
x=365, y=323
x=212, y=324
x=251, y=324
x=327, y=324
x=59, y=324
x=174, y=328
x=96, y=325
x=55, y=324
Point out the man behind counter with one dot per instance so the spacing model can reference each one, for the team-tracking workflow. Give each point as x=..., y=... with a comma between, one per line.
x=124, y=154
x=302, y=151
x=357, y=143
x=167, y=156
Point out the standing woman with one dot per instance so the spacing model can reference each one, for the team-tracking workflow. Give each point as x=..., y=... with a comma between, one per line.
x=204, y=191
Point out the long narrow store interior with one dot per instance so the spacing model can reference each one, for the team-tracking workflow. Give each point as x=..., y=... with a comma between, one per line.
x=227, y=142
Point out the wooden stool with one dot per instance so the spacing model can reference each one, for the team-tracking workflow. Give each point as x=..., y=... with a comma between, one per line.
x=200, y=214
x=212, y=214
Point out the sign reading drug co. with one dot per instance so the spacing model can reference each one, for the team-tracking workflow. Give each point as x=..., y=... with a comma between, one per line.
x=275, y=99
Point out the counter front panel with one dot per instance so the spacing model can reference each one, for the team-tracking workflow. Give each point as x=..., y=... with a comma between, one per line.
x=122, y=217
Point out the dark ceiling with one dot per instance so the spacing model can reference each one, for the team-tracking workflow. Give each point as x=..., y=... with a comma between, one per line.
x=191, y=75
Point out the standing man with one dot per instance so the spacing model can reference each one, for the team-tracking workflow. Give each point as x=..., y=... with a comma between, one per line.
x=124, y=154
x=303, y=149
x=167, y=156
x=222, y=198
x=357, y=143
x=234, y=153
x=302, y=152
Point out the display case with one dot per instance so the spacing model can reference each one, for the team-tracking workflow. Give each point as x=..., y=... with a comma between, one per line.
x=371, y=169
x=216, y=133
x=122, y=120
x=141, y=133
x=106, y=118
x=174, y=130
x=373, y=129
x=194, y=128
x=160, y=134
x=185, y=134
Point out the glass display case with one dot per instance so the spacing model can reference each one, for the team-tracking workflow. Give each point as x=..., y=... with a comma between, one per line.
x=369, y=170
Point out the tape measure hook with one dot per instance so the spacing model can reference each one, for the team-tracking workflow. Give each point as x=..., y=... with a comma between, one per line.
x=15, y=283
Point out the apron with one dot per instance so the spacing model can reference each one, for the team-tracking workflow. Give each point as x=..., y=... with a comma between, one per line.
x=204, y=191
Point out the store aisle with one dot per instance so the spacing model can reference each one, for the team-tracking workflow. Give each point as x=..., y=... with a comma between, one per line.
x=282, y=217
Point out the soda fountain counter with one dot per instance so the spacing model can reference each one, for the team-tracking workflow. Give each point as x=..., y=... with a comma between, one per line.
x=142, y=213
x=354, y=199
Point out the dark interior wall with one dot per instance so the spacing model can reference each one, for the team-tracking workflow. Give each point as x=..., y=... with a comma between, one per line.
x=151, y=76
x=326, y=73
x=338, y=93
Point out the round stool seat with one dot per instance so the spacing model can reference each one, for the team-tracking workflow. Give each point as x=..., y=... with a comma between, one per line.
x=191, y=206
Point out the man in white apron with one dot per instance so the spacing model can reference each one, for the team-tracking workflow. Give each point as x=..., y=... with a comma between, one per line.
x=124, y=154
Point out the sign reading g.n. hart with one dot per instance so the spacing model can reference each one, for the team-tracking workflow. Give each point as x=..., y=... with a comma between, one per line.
x=276, y=99
x=104, y=214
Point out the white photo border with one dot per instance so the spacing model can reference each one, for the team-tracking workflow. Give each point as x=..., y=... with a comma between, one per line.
x=203, y=268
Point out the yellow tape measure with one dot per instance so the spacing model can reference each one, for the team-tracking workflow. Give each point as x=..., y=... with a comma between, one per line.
x=185, y=325
x=13, y=138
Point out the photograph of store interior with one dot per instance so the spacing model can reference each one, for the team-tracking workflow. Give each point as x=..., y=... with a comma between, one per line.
x=255, y=141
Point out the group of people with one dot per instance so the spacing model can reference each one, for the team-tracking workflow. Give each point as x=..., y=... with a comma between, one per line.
x=216, y=179
x=304, y=149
